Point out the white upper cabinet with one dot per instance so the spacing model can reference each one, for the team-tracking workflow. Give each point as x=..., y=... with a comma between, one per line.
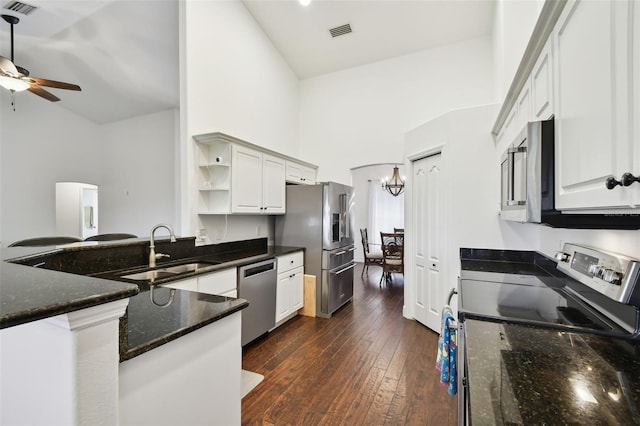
x=593, y=102
x=234, y=176
x=273, y=184
x=542, y=85
x=246, y=178
x=301, y=174
x=258, y=182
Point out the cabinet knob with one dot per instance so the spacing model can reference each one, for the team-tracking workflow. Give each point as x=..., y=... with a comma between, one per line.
x=628, y=178
x=611, y=182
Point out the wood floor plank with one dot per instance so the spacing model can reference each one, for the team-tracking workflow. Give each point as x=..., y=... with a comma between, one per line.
x=365, y=365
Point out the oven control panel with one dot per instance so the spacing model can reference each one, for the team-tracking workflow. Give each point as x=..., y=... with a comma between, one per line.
x=614, y=275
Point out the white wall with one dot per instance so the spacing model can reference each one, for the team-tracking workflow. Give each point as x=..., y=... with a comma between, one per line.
x=359, y=115
x=469, y=176
x=512, y=28
x=139, y=173
x=233, y=81
x=41, y=143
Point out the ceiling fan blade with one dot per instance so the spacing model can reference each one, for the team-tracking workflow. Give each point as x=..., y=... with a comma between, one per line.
x=7, y=67
x=54, y=84
x=43, y=93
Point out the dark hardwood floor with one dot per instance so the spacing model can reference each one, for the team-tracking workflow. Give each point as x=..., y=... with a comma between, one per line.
x=365, y=365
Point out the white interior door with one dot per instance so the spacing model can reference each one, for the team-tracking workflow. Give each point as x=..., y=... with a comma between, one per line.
x=427, y=216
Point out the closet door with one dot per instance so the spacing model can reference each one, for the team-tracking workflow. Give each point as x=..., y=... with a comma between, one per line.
x=427, y=216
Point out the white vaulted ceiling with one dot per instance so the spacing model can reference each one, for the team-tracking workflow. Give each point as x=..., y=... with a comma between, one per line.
x=124, y=54
x=381, y=29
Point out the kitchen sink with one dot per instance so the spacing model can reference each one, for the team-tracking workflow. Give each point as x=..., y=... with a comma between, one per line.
x=189, y=267
x=150, y=275
x=170, y=271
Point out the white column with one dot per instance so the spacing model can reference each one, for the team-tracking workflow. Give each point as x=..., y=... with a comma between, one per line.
x=62, y=370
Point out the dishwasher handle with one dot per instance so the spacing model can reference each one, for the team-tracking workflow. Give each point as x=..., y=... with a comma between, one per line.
x=257, y=268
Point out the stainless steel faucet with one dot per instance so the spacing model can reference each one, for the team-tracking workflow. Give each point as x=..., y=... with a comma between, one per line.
x=152, y=246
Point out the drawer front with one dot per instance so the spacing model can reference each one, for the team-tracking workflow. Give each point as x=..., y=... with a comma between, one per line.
x=290, y=261
x=219, y=282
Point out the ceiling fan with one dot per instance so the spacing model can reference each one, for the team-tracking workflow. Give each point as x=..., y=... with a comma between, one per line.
x=16, y=79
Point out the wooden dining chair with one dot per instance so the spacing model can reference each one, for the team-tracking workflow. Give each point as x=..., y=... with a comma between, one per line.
x=371, y=256
x=392, y=255
x=398, y=230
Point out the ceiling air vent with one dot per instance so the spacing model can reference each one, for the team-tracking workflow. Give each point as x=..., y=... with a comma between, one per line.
x=19, y=7
x=341, y=30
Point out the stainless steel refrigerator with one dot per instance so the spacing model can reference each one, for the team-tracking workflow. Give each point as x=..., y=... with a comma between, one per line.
x=320, y=219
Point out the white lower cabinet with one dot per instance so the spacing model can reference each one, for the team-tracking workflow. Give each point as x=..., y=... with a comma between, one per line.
x=190, y=284
x=290, y=288
x=222, y=283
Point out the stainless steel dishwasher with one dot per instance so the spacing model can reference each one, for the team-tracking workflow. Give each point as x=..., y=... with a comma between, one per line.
x=257, y=284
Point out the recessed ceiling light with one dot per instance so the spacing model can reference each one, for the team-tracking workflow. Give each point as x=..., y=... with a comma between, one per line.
x=305, y=2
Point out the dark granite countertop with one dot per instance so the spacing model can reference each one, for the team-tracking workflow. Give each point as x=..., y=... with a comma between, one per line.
x=521, y=375
x=30, y=294
x=524, y=374
x=41, y=282
x=146, y=326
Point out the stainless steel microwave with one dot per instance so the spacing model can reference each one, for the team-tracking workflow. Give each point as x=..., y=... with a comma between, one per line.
x=528, y=185
x=520, y=194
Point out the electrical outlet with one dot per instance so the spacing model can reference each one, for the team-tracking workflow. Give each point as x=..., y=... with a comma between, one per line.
x=258, y=229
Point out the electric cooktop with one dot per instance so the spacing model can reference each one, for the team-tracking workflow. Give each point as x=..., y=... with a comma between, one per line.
x=590, y=291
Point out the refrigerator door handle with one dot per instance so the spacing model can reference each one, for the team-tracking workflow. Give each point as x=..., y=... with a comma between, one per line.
x=343, y=215
x=344, y=269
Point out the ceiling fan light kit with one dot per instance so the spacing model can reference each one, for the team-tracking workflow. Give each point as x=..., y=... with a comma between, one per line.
x=16, y=78
x=13, y=84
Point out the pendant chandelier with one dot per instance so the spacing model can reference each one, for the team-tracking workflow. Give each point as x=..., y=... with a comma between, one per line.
x=395, y=185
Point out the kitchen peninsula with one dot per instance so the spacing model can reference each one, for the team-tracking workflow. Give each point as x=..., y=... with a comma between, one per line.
x=87, y=347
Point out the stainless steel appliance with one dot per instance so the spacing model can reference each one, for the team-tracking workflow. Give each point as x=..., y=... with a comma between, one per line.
x=520, y=170
x=527, y=192
x=320, y=219
x=257, y=284
x=585, y=290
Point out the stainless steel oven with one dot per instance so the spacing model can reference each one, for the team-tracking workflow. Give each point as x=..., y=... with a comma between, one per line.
x=337, y=274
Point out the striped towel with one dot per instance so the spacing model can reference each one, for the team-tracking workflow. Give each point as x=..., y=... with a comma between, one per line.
x=447, y=347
